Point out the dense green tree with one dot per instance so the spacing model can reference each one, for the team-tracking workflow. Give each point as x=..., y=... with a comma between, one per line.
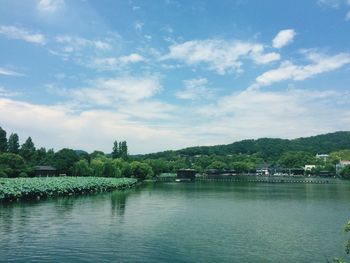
x=83, y=155
x=269, y=149
x=49, y=157
x=296, y=159
x=345, y=172
x=124, y=150
x=218, y=165
x=81, y=168
x=335, y=157
x=64, y=161
x=158, y=166
x=40, y=156
x=111, y=169
x=27, y=150
x=243, y=166
x=96, y=154
x=115, y=151
x=11, y=165
x=141, y=170
x=97, y=167
x=120, y=150
x=3, y=141
x=13, y=143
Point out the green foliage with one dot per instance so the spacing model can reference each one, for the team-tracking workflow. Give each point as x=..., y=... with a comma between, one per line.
x=158, y=165
x=345, y=172
x=13, y=143
x=219, y=165
x=141, y=170
x=64, y=161
x=32, y=188
x=11, y=165
x=268, y=149
x=97, y=167
x=243, y=166
x=296, y=159
x=27, y=150
x=96, y=154
x=335, y=157
x=82, y=155
x=347, y=246
x=81, y=168
x=120, y=150
x=3, y=141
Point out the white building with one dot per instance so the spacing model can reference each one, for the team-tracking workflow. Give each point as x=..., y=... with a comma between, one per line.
x=309, y=167
x=322, y=156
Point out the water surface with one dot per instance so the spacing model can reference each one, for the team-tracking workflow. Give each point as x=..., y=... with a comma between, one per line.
x=182, y=222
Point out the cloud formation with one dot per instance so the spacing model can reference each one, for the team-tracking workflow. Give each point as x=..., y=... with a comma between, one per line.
x=9, y=72
x=320, y=63
x=220, y=55
x=195, y=89
x=113, y=91
x=13, y=32
x=50, y=6
x=115, y=63
x=283, y=38
x=72, y=44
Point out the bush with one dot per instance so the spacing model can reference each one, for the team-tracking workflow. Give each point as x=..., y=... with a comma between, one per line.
x=141, y=170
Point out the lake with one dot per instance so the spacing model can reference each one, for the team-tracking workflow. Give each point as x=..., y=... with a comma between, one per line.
x=182, y=222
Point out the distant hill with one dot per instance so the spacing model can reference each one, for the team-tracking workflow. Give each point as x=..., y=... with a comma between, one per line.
x=268, y=148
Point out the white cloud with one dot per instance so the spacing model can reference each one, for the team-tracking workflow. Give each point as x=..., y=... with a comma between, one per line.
x=139, y=25
x=285, y=114
x=220, y=55
x=332, y=3
x=50, y=125
x=14, y=32
x=50, y=5
x=336, y=4
x=8, y=72
x=195, y=89
x=7, y=93
x=347, y=18
x=111, y=92
x=72, y=44
x=132, y=58
x=283, y=38
x=288, y=71
x=168, y=29
x=115, y=63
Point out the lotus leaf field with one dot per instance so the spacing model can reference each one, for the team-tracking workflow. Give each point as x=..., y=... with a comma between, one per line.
x=36, y=188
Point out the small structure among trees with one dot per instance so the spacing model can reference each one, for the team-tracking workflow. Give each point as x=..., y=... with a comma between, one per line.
x=186, y=174
x=45, y=171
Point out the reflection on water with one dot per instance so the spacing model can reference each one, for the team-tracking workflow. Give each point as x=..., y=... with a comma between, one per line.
x=118, y=203
x=181, y=222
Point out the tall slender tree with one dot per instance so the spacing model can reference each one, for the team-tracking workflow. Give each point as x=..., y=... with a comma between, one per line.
x=115, y=152
x=13, y=144
x=120, y=150
x=27, y=149
x=3, y=141
x=124, y=150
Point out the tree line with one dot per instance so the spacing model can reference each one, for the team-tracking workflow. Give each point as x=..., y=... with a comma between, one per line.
x=20, y=160
x=242, y=157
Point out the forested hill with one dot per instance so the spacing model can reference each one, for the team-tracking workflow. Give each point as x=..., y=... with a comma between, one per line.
x=268, y=148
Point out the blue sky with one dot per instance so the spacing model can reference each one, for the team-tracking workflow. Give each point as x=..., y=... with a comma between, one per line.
x=168, y=74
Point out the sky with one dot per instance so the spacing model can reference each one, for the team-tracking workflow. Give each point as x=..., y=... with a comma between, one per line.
x=169, y=74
